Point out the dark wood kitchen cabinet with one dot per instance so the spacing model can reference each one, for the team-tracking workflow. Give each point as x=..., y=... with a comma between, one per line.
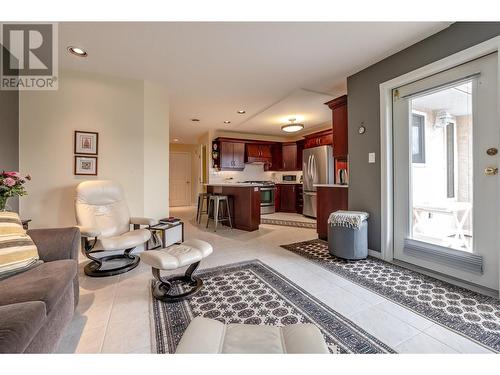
x=232, y=155
x=288, y=197
x=259, y=153
x=277, y=157
x=322, y=138
x=328, y=199
x=300, y=148
x=289, y=156
x=339, y=126
x=299, y=205
x=244, y=205
x=256, y=152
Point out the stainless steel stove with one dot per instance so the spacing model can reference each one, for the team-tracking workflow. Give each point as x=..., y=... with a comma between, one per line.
x=267, y=196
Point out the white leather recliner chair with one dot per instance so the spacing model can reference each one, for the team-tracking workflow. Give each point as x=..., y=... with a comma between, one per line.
x=104, y=221
x=209, y=336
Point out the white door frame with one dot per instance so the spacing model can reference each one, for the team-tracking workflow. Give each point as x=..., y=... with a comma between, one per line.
x=386, y=136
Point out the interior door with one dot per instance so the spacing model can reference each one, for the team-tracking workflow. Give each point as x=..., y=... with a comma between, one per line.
x=180, y=179
x=446, y=134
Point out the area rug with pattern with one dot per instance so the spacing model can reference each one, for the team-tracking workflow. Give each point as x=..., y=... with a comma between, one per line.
x=253, y=293
x=465, y=312
x=288, y=223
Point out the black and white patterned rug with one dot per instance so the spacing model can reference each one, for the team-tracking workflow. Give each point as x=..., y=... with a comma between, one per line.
x=288, y=223
x=465, y=312
x=253, y=293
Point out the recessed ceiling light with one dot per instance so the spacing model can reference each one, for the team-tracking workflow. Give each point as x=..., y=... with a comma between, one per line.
x=175, y=139
x=227, y=122
x=195, y=119
x=292, y=127
x=77, y=51
x=241, y=112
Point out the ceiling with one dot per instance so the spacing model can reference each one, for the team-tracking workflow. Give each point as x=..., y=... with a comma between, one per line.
x=270, y=70
x=306, y=107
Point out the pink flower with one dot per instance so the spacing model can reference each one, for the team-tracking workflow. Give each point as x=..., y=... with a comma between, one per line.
x=9, y=182
x=12, y=174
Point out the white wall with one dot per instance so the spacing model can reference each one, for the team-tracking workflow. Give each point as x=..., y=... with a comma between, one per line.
x=114, y=107
x=156, y=151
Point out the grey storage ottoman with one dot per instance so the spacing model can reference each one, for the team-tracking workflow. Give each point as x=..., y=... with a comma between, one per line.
x=348, y=235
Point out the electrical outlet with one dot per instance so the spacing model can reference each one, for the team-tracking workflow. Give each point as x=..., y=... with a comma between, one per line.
x=371, y=157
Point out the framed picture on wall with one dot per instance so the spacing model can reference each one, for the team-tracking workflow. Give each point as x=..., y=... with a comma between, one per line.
x=86, y=142
x=85, y=165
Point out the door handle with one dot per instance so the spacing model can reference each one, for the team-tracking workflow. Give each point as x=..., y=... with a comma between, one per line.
x=491, y=171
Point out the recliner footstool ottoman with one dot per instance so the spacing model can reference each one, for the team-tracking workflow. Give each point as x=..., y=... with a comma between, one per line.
x=209, y=336
x=189, y=253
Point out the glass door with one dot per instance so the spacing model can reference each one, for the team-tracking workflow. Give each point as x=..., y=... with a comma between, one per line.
x=441, y=167
x=445, y=177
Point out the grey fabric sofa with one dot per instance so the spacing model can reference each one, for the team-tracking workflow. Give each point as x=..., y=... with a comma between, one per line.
x=36, y=305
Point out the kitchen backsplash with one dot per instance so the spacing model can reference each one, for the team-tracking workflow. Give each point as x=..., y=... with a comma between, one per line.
x=252, y=172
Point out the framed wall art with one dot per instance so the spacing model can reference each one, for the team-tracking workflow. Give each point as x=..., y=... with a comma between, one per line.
x=85, y=166
x=86, y=143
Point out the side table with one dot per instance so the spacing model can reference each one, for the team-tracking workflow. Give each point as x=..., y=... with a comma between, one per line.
x=25, y=223
x=163, y=228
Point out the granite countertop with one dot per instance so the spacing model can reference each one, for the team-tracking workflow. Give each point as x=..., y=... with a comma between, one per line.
x=288, y=183
x=331, y=185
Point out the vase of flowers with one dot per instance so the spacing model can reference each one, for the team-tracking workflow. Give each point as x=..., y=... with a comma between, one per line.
x=11, y=185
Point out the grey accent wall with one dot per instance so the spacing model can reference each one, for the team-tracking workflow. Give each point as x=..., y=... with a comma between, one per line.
x=9, y=135
x=364, y=106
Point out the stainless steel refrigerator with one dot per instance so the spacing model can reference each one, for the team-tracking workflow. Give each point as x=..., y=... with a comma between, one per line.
x=317, y=168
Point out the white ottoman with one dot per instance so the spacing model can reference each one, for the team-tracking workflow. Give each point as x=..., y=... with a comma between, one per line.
x=189, y=253
x=212, y=337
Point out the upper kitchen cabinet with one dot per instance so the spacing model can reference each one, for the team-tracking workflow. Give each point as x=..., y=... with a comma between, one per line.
x=289, y=156
x=259, y=153
x=322, y=138
x=339, y=121
x=232, y=155
x=300, y=148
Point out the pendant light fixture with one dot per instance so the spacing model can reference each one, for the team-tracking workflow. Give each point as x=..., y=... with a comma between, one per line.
x=292, y=127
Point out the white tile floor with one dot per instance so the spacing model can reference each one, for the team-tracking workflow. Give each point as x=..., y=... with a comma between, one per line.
x=113, y=314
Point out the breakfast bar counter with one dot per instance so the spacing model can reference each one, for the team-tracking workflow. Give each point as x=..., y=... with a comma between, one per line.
x=244, y=203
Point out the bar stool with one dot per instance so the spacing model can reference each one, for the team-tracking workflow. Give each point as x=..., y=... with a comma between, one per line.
x=215, y=202
x=202, y=198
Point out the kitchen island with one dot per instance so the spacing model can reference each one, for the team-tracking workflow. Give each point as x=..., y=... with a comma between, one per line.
x=329, y=198
x=244, y=203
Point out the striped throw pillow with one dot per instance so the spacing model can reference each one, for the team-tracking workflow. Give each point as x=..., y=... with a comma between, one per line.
x=17, y=251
